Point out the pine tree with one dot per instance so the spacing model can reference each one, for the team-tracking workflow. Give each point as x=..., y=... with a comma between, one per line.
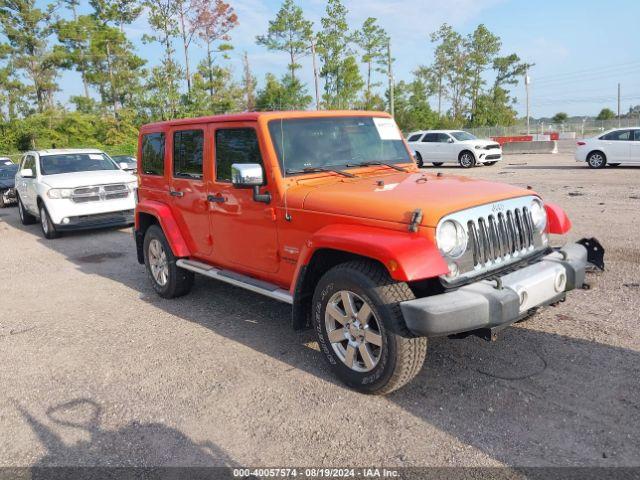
x=373, y=41
x=289, y=32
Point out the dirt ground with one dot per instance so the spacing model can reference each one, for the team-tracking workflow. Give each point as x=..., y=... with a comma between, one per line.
x=98, y=370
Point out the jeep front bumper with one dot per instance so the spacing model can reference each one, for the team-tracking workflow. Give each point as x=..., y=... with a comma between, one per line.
x=501, y=301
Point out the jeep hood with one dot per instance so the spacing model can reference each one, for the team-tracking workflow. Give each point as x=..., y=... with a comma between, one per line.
x=394, y=197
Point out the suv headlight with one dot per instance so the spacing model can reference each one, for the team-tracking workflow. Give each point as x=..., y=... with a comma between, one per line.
x=132, y=186
x=59, y=193
x=451, y=238
x=538, y=215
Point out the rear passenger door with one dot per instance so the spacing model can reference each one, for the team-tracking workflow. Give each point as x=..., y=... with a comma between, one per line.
x=243, y=230
x=429, y=147
x=635, y=147
x=189, y=150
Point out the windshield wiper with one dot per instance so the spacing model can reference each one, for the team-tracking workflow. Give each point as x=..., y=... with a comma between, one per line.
x=368, y=164
x=320, y=169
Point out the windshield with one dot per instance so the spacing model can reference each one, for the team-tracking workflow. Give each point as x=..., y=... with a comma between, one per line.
x=8, y=171
x=75, y=162
x=462, y=136
x=308, y=143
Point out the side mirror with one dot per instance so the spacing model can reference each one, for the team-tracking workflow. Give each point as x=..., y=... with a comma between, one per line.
x=450, y=140
x=250, y=175
x=246, y=175
x=26, y=173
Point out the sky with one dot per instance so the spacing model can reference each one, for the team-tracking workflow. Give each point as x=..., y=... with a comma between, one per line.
x=581, y=49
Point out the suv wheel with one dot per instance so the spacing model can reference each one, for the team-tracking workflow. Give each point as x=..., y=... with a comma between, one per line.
x=466, y=159
x=48, y=228
x=25, y=217
x=437, y=164
x=597, y=160
x=2, y=202
x=360, y=328
x=490, y=164
x=419, y=160
x=168, y=280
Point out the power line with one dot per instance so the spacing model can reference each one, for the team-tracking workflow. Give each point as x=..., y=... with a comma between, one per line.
x=587, y=70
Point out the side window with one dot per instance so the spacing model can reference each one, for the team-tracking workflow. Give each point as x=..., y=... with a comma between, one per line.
x=188, y=146
x=235, y=145
x=430, y=138
x=637, y=136
x=443, y=138
x=29, y=162
x=153, y=154
x=414, y=138
x=621, y=135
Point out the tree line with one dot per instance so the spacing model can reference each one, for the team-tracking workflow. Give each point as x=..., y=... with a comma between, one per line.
x=468, y=80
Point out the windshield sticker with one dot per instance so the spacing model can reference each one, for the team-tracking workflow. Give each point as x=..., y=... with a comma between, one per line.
x=387, y=129
x=8, y=163
x=95, y=156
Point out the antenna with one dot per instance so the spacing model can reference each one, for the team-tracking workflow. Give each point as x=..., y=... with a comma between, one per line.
x=287, y=215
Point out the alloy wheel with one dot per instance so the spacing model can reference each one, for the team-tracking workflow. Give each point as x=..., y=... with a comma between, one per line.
x=158, y=262
x=466, y=160
x=596, y=160
x=354, y=331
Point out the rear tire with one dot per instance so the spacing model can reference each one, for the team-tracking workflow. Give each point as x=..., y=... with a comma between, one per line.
x=419, y=160
x=466, y=159
x=378, y=355
x=614, y=164
x=490, y=164
x=2, y=202
x=597, y=160
x=25, y=217
x=437, y=164
x=167, y=279
x=48, y=228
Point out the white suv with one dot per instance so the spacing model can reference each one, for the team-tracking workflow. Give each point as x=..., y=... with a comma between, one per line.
x=614, y=147
x=453, y=146
x=72, y=190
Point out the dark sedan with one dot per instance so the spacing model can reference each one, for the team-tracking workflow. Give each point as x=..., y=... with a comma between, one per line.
x=8, y=172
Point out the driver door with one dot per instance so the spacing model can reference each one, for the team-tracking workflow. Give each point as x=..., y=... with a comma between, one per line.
x=243, y=230
x=26, y=187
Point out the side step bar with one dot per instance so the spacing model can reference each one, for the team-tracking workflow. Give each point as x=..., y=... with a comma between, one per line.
x=238, y=280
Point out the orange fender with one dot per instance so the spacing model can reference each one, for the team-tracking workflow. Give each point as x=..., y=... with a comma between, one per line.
x=169, y=226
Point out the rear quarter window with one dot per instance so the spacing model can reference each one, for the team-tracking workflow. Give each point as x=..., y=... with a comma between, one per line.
x=414, y=138
x=152, y=162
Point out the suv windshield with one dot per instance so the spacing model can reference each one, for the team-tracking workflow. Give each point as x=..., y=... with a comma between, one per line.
x=315, y=143
x=462, y=136
x=75, y=162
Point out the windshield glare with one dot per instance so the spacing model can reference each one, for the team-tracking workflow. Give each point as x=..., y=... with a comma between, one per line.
x=334, y=142
x=462, y=136
x=75, y=162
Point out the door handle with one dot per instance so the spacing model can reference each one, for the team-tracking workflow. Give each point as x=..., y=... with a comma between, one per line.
x=176, y=193
x=215, y=199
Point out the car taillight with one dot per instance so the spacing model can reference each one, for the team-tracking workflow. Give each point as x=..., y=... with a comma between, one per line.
x=581, y=144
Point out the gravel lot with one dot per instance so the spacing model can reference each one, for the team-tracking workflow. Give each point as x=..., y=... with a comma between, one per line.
x=97, y=370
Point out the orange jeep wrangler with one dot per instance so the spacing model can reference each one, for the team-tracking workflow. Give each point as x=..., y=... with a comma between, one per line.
x=328, y=212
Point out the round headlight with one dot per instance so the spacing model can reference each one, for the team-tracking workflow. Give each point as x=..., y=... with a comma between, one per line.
x=538, y=215
x=451, y=239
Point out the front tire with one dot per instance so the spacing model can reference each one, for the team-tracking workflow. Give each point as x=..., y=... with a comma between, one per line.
x=361, y=330
x=466, y=159
x=25, y=217
x=167, y=279
x=419, y=160
x=48, y=228
x=437, y=164
x=597, y=160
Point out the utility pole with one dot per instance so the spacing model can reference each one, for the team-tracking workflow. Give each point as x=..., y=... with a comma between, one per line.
x=618, y=105
x=315, y=73
x=392, y=94
x=527, y=81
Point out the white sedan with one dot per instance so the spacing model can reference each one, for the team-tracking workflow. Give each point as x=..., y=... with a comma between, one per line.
x=453, y=146
x=614, y=147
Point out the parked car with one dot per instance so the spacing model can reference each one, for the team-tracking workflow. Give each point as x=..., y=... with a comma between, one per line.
x=126, y=162
x=327, y=211
x=73, y=189
x=621, y=145
x=8, y=171
x=453, y=146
